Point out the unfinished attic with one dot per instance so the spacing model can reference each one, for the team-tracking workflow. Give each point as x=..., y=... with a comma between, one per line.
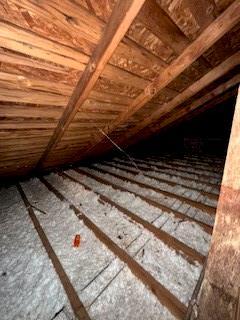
x=119, y=159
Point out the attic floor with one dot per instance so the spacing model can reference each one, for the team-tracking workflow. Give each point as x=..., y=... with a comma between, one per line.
x=145, y=231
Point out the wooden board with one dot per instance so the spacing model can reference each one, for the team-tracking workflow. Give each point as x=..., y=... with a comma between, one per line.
x=47, y=46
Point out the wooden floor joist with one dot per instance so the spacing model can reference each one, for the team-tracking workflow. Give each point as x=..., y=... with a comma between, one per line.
x=188, y=253
x=206, y=208
x=164, y=296
x=161, y=180
x=164, y=169
x=185, y=163
x=195, y=294
x=212, y=172
x=76, y=304
x=151, y=168
x=176, y=213
x=187, y=171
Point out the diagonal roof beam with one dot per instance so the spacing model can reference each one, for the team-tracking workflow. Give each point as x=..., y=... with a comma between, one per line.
x=122, y=16
x=212, y=98
x=199, y=109
x=196, y=87
x=225, y=22
x=203, y=103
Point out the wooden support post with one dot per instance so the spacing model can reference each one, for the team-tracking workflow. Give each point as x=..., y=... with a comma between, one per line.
x=219, y=292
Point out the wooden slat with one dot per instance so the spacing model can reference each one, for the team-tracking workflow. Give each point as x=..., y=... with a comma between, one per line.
x=189, y=108
x=201, y=206
x=176, y=213
x=155, y=19
x=121, y=18
x=30, y=111
x=18, y=81
x=148, y=173
x=201, y=101
x=191, y=16
x=26, y=42
x=33, y=124
x=165, y=297
x=14, y=58
x=209, y=36
x=196, y=87
x=92, y=105
x=76, y=304
x=33, y=97
x=188, y=253
x=24, y=136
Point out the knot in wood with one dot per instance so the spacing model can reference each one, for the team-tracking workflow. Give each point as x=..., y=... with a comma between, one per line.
x=92, y=67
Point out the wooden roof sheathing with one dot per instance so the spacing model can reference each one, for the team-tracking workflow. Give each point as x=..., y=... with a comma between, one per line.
x=71, y=70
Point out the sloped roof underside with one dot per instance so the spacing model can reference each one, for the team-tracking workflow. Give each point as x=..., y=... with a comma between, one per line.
x=73, y=71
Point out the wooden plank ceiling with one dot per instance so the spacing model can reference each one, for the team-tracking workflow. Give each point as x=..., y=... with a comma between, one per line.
x=73, y=70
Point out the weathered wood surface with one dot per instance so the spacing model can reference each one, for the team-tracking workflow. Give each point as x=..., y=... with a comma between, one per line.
x=210, y=77
x=120, y=20
x=209, y=36
x=46, y=46
x=220, y=289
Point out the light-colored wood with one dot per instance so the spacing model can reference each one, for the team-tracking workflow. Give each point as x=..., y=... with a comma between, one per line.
x=121, y=18
x=227, y=20
x=221, y=276
x=32, y=96
x=10, y=80
x=46, y=45
x=13, y=58
x=197, y=103
x=84, y=34
x=30, y=112
x=210, y=77
x=191, y=16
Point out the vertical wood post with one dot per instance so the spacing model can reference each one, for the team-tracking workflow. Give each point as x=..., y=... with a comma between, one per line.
x=220, y=289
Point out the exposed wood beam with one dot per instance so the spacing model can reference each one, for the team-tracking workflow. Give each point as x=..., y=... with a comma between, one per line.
x=122, y=16
x=229, y=94
x=199, y=102
x=190, y=108
x=206, y=102
x=225, y=22
x=161, y=25
x=196, y=87
x=219, y=293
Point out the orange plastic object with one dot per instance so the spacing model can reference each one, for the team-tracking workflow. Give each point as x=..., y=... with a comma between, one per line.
x=76, y=242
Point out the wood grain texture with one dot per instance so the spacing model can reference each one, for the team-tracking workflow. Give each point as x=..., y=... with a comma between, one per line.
x=227, y=20
x=46, y=46
x=121, y=18
x=214, y=74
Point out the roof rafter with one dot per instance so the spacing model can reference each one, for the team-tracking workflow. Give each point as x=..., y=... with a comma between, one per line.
x=196, y=87
x=222, y=98
x=122, y=16
x=206, y=99
x=216, y=96
x=224, y=23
